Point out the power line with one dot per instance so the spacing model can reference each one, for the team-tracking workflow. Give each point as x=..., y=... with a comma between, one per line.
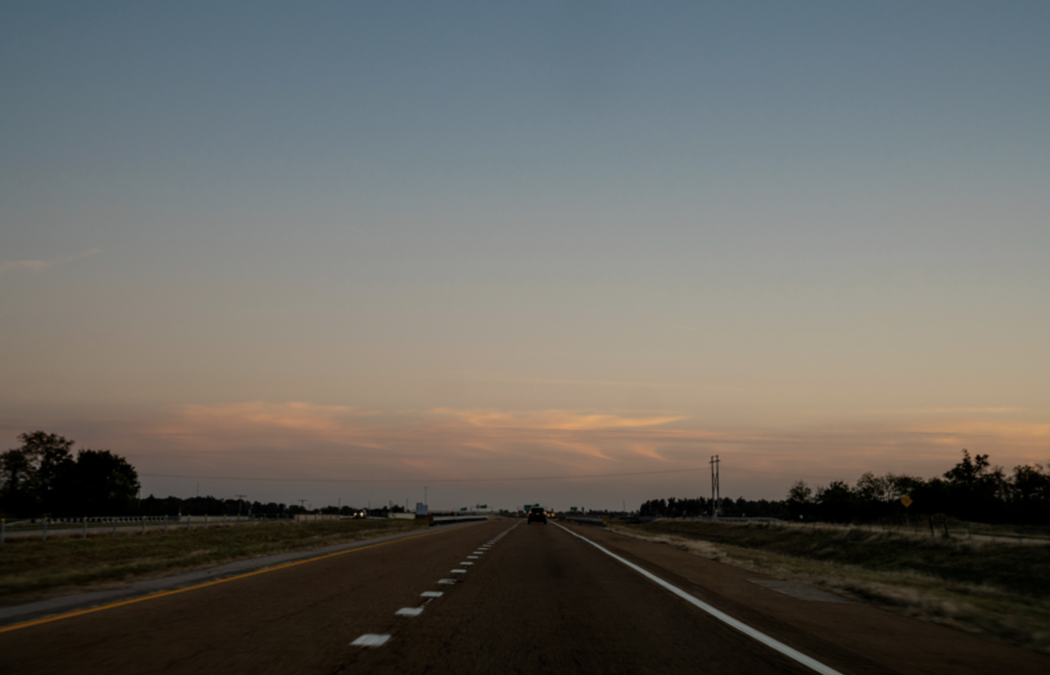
x=419, y=480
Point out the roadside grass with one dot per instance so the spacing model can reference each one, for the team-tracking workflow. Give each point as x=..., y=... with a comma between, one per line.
x=1000, y=590
x=31, y=569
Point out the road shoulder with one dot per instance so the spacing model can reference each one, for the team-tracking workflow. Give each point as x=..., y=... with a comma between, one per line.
x=851, y=637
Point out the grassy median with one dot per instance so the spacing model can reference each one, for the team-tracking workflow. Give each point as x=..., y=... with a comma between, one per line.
x=33, y=569
x=998, y=589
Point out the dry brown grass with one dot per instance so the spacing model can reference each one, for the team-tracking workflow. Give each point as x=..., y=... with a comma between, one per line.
x=34, y=569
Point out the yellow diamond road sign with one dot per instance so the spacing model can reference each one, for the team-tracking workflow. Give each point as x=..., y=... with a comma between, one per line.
x=906, y=500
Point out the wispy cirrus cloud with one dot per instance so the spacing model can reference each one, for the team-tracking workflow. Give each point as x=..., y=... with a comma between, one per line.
x=39, y=265
x=310, y=441
x=561, y=420
x=440, y=442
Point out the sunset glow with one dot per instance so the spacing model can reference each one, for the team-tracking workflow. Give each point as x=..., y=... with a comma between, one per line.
x=551, y=251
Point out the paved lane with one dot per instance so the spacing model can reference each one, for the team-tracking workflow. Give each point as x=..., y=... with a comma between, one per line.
x=295, y=620
x=543, y=601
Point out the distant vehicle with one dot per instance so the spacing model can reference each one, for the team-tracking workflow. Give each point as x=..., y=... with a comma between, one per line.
x=538, y=514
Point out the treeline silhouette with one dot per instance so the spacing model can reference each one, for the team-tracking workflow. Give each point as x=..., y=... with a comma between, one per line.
x=701, y=506
x=213, y=506
x=42, y=476
x=972, y=490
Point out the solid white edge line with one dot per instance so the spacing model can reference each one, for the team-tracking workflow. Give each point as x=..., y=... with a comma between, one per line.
x=718, y=614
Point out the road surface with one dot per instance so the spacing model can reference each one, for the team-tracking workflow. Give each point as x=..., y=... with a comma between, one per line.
x=525, y=599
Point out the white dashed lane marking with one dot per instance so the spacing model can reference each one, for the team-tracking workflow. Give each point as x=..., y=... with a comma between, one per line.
x=375, y=640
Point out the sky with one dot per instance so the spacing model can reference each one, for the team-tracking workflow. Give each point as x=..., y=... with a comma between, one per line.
x=509, y=253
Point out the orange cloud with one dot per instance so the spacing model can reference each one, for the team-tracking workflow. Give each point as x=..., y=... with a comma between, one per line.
x=38, y=265
x=563, y=420
x=306, y=440
x=1011, y=432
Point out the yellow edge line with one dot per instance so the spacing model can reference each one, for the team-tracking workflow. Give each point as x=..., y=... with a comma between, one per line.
x=161, y=594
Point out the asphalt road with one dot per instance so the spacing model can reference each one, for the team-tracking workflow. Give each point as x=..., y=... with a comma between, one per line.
x=527, y=599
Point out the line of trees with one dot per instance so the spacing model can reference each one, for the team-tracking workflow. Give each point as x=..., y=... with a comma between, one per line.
x=42, y=476
x=972, y=490
x=213, y=506
x=701, y=506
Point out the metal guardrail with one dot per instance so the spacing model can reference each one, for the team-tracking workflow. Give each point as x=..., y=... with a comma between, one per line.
x=585, y=520
x=445, y=520
x=42, y=527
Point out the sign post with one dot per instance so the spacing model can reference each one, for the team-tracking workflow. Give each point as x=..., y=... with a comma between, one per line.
x=907, y=501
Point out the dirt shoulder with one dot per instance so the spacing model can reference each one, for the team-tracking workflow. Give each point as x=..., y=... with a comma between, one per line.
x=995, y=590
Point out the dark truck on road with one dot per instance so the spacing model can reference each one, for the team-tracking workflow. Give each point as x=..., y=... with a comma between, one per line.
x=538, y=514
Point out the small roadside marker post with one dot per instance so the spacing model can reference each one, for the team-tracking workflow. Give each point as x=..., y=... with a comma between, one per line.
x=84, y=519
x=45, y=530
x=3, y=529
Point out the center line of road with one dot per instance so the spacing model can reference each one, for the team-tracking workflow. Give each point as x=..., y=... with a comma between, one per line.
x=370, y=640
x=792, y=654
x=431, y=594
x=459, y=571
x=409, y=611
